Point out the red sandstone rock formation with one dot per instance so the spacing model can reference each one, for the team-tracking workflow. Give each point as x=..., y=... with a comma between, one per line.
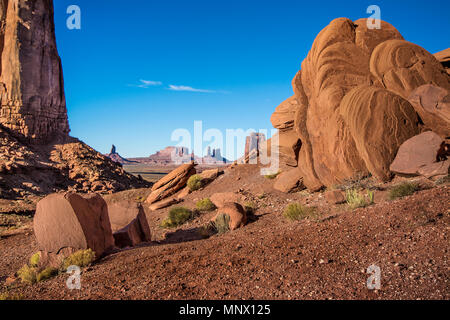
x=73, y=221
x=31, y=81
x=37, y=156
x=352, y=112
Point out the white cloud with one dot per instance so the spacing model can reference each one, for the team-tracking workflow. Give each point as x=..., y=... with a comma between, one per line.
x=146, y=84
x=189, y=89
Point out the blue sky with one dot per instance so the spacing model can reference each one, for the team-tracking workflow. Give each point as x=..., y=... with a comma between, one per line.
x=137, y=70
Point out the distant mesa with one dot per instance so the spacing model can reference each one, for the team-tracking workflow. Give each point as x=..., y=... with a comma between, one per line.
x=178, y=155
x=254, y=142
x=114, y=156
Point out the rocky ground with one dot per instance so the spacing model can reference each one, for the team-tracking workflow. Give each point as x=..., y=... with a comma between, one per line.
x=28, y=172
x=324, y=257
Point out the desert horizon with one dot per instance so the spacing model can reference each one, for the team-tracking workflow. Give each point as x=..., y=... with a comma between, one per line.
x=224, y=157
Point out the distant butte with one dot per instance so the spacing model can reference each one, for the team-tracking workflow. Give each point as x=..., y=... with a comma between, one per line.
x=178, y=155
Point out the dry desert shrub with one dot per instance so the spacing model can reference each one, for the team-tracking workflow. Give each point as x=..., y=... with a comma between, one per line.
x=296, y=211
x=205, y=205
x=195, y=182
x=27, y=274
x=402, y=190
x=81, y=258
x=177, y=216
x=222, y=223
x=46, y=274
x=356, y=199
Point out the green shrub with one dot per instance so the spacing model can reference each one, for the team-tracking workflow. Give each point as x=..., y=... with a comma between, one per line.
x=195, y=182
x=272, y=176
x=296, y=211
x=7, y=296
x=27, y=274
x=222, y=223
x=205, y=205
x=355, y=199
x=177, y=216
x=34, y=260
x=81, y=258
x=46, y=274
x=370, y=196
x=402, y=190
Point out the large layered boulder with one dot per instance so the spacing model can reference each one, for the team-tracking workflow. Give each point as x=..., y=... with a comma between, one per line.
x=420, y=155
x=379, y=121
x=289, y=181
x=433, y=106
x=171, y=183
x=221, y=198
x=70, y=220
x=351, y=108
x=128, y=223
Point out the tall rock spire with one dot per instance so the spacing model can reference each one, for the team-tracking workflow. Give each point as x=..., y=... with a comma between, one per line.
x=31, y=80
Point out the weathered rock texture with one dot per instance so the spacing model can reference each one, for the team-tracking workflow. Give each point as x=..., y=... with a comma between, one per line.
x=128, y=223
x=70, y=220
x=352, y=112
x=31, y=81
x=418, y=153
x=28, y=171
x=433, y=106
x=37, y=156
x=237, y=214
x=171, y=183
x=444, y=58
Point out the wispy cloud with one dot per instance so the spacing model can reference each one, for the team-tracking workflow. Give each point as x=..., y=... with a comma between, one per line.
x=146, y=84
x=189, y=89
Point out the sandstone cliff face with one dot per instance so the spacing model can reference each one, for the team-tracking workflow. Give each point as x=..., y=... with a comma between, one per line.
x=31, y=81
x=37, y=156
x=352, y=111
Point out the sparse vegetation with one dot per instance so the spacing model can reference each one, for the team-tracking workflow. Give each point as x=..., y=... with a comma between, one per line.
x=195, y=182
x=46, y=274
x=272, y=175
x=34, y=260
x=205, y=205
x=81, y=258
x=27, y=274
x=222, y=223
x=177, y=216
x=370, y=196
x=7, y=296
x=356, y=199
x=296, y=211
x=402, y=190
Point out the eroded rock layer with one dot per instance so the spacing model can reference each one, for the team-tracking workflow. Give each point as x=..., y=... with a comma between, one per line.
x=352, y=112
x=31, y=80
